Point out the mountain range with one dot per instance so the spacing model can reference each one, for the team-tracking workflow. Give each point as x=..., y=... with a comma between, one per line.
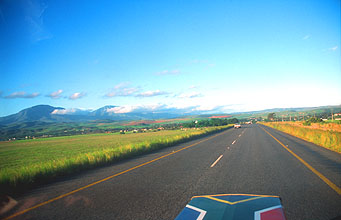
x=50, y=114
x=47, y=113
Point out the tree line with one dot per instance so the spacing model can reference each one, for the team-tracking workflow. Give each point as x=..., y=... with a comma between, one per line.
x=210, y=122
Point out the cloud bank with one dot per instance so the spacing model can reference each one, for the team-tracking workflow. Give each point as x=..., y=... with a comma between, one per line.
x=138, y=109
x=77, y=95
x=56, y=94
x=16, y=95
x=70, y=111
x=151, y=93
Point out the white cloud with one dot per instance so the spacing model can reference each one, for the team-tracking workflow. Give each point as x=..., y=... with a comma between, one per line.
x=77, y=95
x=137, y=108
x=15, y=95
x=190, y=95
x=205, y=108
x=110, y=94
x=121, y=109
x=121, y=85
x=333, y=48
x=63, y=111
x=70, y=111
x=193, y=87
x=151, y=93
x=122, y=90
x=306, y=37
x=56, y=94
x=168, y=72
x=155, y=106
x=34, y=18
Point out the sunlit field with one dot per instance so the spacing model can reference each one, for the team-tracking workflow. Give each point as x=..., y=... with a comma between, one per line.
x=29, y=162
x=325, y=135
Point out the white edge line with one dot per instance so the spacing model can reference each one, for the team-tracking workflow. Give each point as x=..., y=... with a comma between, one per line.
x=215, y=162
x=202, y=212
x=257, y=213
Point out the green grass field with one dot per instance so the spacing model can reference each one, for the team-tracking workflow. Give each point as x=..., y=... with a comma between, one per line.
x=326, y=138
x=30, y=162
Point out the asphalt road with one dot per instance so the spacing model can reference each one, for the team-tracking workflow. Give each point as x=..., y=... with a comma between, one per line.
x=252, y=162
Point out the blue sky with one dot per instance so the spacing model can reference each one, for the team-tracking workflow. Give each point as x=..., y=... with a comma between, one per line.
x=202, y=55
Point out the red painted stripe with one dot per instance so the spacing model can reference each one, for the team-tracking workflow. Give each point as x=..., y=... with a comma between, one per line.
x=274, y=214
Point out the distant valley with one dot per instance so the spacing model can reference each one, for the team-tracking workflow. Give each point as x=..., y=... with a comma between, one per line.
x=46, y=120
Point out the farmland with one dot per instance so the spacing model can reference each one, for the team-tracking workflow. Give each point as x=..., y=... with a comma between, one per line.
x=26, y=163
x=36, y=129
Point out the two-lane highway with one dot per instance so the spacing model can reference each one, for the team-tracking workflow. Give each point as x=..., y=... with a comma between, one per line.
x=160, y=184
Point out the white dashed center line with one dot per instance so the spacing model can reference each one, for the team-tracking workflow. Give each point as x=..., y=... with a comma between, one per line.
x=215, y=162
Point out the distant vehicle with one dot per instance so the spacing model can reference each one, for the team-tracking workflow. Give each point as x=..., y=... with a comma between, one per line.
x=233, y=206
x=237, y=126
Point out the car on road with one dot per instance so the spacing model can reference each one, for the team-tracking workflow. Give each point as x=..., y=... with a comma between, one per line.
x=237, y=126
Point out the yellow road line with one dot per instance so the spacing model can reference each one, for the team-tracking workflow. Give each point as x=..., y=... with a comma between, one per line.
x=237, y=195
x=330, y=183
x=231, y=203
x=107, y=178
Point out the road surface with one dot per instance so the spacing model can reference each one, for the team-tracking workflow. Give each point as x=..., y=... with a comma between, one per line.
x=158, y=185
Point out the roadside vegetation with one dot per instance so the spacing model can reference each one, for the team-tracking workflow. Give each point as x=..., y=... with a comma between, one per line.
x=26, y=163
x=324, y=134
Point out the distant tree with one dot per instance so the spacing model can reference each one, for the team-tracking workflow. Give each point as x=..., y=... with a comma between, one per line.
x=271, y=116
x=232, y=121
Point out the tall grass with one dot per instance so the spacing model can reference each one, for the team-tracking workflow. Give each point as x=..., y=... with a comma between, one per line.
x=24, y=164
x=326, y=138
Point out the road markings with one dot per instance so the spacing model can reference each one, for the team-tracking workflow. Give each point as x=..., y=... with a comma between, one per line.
x=202, y=212
x=107, y=178
x=232, y=203
x=327, y=181
x=215, y=162
x=234, y=142
x=203, y=196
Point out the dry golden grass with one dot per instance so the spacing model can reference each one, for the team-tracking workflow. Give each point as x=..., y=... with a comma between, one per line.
x=321, y=126
x=328, y=135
